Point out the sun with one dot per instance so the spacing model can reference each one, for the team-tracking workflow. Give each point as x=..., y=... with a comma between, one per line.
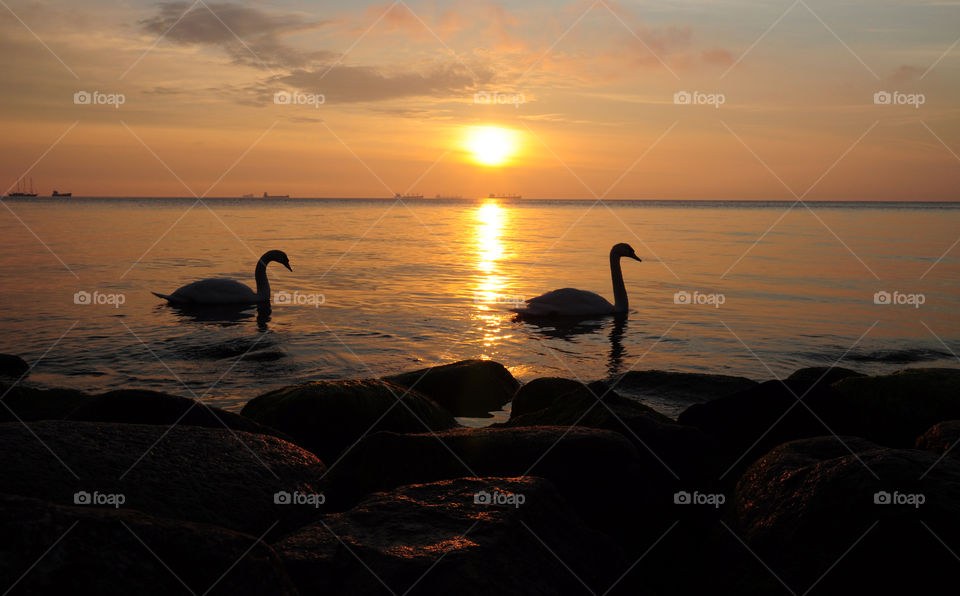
x=491, y=145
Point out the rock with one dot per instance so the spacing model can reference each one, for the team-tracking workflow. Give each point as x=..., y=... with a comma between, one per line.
x=28, y=403
x=222, y=477
x=802, y=506
x=894, y=409
x=660, y=440
x=585, y=464
x=828, y=375
x=466, y=388
x=135, y=406
x=672, y=392
x=13, y=366
x=941, y=439
x=99, y=551
x=745, y=425
x=434, y=539
x=327, y=417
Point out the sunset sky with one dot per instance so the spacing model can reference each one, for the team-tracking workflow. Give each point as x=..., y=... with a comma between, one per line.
x=401, y=81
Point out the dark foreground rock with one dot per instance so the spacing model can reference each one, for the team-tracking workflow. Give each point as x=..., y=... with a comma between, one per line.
x=465, y=388
x=660, y=441
x=51, y=549
x=943, y=439
x=599, y=472
x=327, y=417
x=745, y=425
x=804, y=504
x=675, y=391
x=13, y=366
x=894, y=409
x=434, y=539
x=227, y=478
x=131, y=406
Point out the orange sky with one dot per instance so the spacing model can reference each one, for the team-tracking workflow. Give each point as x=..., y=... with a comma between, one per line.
x=588, y=91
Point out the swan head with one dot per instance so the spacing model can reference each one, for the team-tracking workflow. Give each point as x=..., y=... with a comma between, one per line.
x=278, y=256
x=624, y=250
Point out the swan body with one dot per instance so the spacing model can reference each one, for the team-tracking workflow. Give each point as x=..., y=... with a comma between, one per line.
x=571, y=302
x=229, y=291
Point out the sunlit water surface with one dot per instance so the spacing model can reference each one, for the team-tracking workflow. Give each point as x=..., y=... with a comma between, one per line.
x=408, y=285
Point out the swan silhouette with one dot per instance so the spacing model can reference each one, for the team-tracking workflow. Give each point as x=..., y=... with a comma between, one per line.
x=229, y=291
x=570, y=302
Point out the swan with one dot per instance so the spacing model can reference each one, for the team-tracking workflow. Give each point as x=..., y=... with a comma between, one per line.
x=229, y=291
x=570, y=302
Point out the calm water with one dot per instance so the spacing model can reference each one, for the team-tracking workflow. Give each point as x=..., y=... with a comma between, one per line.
x=410, y=285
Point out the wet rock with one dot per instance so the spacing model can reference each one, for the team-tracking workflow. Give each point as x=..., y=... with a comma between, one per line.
x=28, y=403
x=894, y=409
x=135, y=406
x=679, y=389
x=13, y=366
x=435, y=539
x=227, y=478
x=823, y=374
x=105, y=551
x=466, y=388
x=941, y=439
x=810, y=503
x=659, y=440
x=599, y=472
x=327, y=417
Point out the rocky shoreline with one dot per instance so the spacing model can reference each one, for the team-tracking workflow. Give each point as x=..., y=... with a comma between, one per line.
x=828, y=481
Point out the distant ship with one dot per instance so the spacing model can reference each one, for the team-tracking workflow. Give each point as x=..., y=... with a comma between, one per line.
x=247, y=196
x=22, y=191
x=400, y=196
x=448, y=197
x=266, y=196
x=61, y=194
x=495, y=195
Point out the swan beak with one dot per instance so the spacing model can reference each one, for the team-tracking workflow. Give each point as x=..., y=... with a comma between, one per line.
x=287, y=265
x=636, y=258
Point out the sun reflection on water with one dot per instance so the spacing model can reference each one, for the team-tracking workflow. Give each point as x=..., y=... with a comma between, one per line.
x=489, y=221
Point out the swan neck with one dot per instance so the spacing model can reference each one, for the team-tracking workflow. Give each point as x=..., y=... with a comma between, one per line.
x=620, y=302
x=263, y=286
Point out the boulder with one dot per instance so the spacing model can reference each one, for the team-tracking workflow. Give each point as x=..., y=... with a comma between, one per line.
x=745, y=425
x=659, y=440
x=467, y=388
x=13, y=366
x=135, y=406
x=226, y=478
x=28, y=403
x=941, y=439
x=828, y=375
x=436, y=539
x=873, y=511
x=672, y=392
x=53, y=549
x=894, y=409
x=327, y=417
x=586, y=465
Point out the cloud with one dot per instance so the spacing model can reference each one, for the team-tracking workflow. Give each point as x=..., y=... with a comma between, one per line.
x=353, y=84
x=717, y=57
x=905, y=74
x=248, y=35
